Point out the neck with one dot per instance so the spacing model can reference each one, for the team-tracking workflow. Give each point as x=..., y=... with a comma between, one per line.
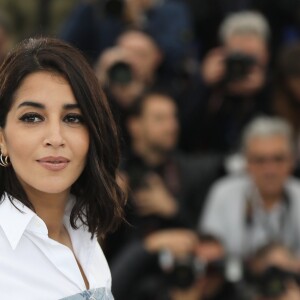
x=149, y=155
x=50, y=208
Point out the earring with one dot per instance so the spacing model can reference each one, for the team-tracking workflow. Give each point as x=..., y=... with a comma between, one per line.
x=4, y=161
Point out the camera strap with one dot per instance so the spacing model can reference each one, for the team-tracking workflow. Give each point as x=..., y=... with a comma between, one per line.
x=263, y=226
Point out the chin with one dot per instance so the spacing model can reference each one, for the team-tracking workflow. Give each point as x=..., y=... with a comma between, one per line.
x=52, y=190
x=51, y=187
x=271, y=191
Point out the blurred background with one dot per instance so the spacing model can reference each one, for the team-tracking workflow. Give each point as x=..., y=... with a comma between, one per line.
x=206, y=95
x=34, y=17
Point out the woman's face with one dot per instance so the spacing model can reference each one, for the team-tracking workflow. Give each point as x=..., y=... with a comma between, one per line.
x=45, y=136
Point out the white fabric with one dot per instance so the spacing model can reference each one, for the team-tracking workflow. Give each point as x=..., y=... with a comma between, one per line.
x=33, y=266
x=225, y=216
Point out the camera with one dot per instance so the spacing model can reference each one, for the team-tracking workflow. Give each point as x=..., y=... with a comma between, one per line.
x=273, y=282
x=120, y=73
x=238, y=65
x=183, y=272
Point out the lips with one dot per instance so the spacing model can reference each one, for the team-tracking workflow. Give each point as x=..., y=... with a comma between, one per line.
x=53, y=163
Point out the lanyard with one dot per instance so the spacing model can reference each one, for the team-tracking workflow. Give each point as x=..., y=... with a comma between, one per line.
x=260, y=227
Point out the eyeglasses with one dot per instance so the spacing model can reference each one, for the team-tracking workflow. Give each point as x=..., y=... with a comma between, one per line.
x=274, y=159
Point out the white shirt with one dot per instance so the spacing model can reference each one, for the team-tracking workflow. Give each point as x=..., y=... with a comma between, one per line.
x=225, y=216
x=36, y=267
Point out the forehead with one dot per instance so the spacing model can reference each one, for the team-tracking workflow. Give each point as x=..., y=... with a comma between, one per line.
x=251, y=44
x=268, y=144
x=158, y=104
x=45, y=87
x=137, y=41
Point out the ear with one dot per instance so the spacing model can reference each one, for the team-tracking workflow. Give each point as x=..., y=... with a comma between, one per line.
x=3, y=146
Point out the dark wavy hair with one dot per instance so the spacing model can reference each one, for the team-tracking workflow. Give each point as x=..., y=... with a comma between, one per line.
x=99, y=200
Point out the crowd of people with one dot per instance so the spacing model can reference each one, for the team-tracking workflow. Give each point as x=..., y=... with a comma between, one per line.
x=206, y=95
x=207, y=108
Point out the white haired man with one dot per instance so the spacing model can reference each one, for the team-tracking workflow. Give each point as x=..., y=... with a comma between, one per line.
x=234, y=84
x=263, y=205
x=244, y=35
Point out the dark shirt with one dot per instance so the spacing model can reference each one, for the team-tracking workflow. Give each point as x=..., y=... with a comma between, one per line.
x=216, y=121
x=187, y=178
x=146, y=280
x=92, y=29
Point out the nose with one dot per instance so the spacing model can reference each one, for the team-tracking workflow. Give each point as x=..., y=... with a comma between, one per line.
x=54, y=135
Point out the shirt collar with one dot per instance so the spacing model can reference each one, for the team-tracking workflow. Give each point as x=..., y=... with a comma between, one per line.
x=254, y=196
x=14, y=219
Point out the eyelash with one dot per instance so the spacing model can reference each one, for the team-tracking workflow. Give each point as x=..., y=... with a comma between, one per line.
x=36, y=118
x=28, y=118
x=79, y=118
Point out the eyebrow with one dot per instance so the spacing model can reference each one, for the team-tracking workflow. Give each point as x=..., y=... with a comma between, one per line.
x=71, y=106
x=42, y=106
x=32, y=104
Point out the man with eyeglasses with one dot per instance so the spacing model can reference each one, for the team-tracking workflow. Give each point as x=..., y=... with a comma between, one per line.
x=262, y=204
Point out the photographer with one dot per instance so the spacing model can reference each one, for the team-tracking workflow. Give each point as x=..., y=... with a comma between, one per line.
x=238, y=66
x=166, y=187
x=115, y=73
x=203, y=276
x=172, y=264
x=262, y=204
x=125, y=71
x=235, y=85
x=275, y=273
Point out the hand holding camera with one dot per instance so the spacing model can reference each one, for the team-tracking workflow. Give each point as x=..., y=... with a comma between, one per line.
x=179, y=242
x=213, y=66
x=234, y=70
x=275, y=283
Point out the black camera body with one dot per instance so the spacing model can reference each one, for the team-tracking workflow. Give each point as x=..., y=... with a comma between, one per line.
x=183, y=272
x=237, y=66
x=120, y=73
x=272, y=283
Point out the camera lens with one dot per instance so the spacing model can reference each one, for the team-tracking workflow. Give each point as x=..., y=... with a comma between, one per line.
x=272, y=282
x=238, y=66
x=120, y=73
x=183, y=275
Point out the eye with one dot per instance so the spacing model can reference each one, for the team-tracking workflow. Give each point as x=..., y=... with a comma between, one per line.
x=74, y=119
x=31, y=118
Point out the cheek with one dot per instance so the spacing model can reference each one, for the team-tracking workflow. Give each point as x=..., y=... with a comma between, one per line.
x=257, y=172
x=287, y=170
x=21, y=157
x=81, y=145
x=19, y=146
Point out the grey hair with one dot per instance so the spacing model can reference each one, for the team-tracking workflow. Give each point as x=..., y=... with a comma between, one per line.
x=267, y=127
x=244, y=23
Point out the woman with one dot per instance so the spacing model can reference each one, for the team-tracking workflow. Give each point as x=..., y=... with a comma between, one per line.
x=59, y=155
